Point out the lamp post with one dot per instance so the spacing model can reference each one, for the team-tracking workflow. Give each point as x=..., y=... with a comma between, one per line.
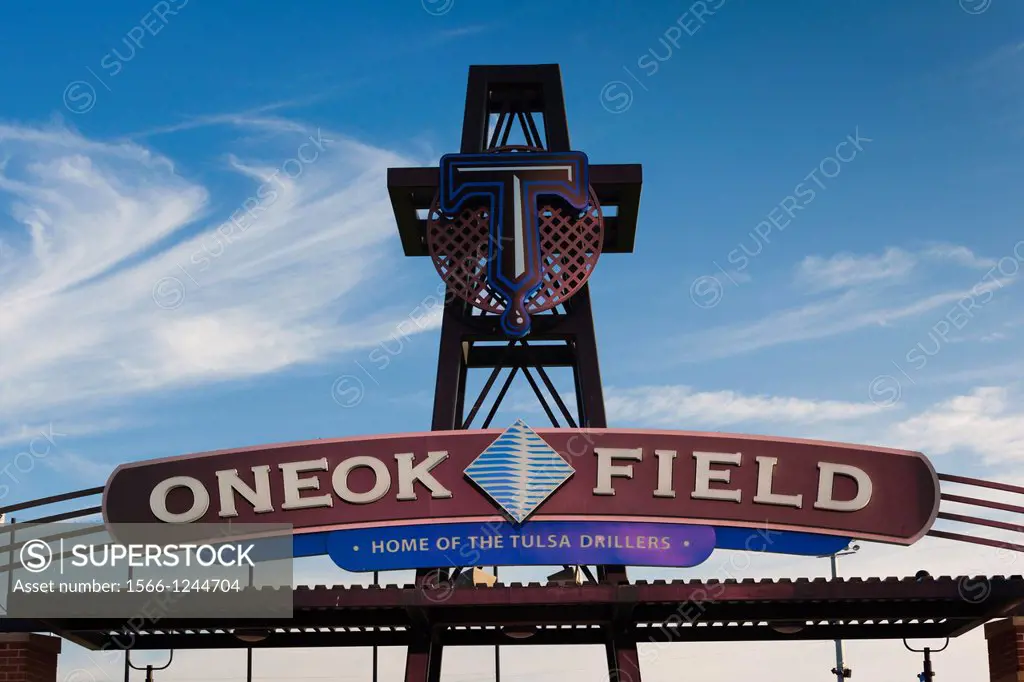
x=840, y=671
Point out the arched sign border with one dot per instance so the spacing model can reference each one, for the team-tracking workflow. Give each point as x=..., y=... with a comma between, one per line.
x=598, y=496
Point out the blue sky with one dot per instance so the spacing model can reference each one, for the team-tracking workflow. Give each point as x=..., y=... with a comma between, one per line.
x=120, y=159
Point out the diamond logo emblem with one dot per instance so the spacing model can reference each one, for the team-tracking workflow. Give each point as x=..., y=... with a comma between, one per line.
x=519, y=471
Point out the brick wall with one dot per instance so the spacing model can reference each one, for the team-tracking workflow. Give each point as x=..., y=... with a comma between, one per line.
x=28, y=658
x=1005, y=650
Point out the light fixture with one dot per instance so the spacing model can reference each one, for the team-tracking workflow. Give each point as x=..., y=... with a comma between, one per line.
x=251, y=636
x=475, y=577
x=521, y=632
x=921, y=576
x=570, y=575
x=787, y=627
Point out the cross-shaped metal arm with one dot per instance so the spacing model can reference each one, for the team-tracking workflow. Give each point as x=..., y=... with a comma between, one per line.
x=617, y=186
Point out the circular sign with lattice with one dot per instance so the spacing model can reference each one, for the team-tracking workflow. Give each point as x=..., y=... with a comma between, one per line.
x=567, y=240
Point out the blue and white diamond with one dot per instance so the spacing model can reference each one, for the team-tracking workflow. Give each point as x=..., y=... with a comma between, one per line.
x=519, y=471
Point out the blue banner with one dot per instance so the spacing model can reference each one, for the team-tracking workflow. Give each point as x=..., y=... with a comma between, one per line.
x=779, y=542
x=549, y=543
x=541, y=543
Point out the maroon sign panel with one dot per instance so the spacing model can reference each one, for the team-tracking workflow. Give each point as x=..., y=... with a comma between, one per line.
x=614, y=475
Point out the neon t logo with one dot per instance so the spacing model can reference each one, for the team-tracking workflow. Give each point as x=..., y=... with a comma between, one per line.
x=510, y=184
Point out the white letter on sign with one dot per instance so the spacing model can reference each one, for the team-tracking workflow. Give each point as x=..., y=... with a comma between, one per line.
x=826, y=487
x=230, y=483
x=409, y=474
x=765, y=475
x=606, y=470
x=665, y=461
x=200, y=500
x=381, y=480
x=706, y=475
x=293, y=485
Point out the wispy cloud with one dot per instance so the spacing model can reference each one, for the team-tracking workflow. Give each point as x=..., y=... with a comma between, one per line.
x=1000, y=56
x=841, y=314
x=997, y=80
x=257, y=117
x=1002, y=373
x=17, y=436
x=462, y=31
x=850, y=307
x=846, y=270
x=892, y=266
x=95, y=227
x=982, y=422
x=676, y=405
x=959, y=255
x=78, y=467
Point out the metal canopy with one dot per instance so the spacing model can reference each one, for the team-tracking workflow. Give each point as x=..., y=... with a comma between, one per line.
x=657, y=612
